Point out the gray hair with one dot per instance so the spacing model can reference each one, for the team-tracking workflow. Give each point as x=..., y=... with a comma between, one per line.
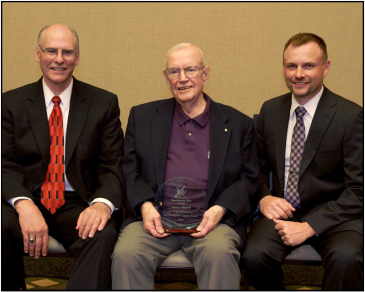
x=183, y=46
x=47, y=26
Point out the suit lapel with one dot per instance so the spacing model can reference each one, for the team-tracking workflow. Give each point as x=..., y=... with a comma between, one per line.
x=76, y=119
x=321, y=120
x=37, y=113
x=220, y=132
x=281, y=126
x=160, y=130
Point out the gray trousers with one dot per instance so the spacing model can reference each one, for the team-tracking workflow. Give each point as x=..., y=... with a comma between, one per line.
x=138, y=254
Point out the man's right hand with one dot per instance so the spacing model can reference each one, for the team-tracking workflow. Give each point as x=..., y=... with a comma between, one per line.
x=274, y=207
x=34, y=226
x=152, y=220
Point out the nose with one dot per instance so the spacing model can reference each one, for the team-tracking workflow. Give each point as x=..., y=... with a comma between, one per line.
x=59, y=58
x=299, y=73
x=182, y=76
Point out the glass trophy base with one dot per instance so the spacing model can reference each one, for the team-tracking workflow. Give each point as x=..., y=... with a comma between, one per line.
x=179, y=230
x=173, y=227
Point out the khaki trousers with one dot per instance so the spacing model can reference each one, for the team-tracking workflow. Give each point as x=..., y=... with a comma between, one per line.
x=138, y=254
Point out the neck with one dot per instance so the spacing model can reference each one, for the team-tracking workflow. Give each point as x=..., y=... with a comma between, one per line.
x=195, y=107
x=57, y=89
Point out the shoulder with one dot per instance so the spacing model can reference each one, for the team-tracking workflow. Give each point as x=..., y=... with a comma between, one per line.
x=342, y=104
x=20, y=92
x=232, y=113
x=278, y=100
x=154, y=106
x=83, y=88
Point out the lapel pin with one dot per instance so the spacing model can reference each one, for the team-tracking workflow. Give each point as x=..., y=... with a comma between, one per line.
x=225, y=130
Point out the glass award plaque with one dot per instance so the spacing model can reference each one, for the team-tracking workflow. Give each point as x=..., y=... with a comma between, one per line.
x=181, y=203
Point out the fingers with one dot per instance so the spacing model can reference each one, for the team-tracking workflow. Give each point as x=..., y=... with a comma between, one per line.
x=92, y=219
x=45, y=241
x=151, y=228
x=279, y=209
x=38, y=246
x=158, y=225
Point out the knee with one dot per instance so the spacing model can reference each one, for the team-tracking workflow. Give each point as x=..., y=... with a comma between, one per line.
x=344, y=257
x=108, y=235
x=218, y=252
x=125, y=253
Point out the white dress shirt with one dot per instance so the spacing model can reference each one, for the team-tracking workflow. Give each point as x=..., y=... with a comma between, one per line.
x=310, y=107
x=65, y=97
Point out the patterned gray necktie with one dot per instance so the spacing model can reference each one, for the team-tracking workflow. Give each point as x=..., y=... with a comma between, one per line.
x=297, y=146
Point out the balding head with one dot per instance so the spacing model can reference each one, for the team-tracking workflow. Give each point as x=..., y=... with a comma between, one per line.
x=59, y=26
x=183, y=46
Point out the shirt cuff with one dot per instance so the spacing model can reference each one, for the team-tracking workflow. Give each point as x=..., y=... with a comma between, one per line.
x=13, y=200
x=106, y=202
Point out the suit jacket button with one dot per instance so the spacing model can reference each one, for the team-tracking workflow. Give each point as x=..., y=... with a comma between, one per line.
x=32, y=189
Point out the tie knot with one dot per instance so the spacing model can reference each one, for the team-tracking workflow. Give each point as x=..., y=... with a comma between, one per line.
x=56, y=100
x=300, y=112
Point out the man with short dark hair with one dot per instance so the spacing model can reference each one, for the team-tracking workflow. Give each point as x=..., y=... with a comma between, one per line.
x=61, y=167
x=311, y=141
x=194, y=137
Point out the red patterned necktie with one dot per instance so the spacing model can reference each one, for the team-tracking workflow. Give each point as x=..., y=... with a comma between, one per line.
x=297, y=146
x=52, y=194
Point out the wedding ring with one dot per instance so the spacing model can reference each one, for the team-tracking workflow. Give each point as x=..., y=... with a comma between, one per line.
x=282, y=238
x=97, y=218
x=31, y=240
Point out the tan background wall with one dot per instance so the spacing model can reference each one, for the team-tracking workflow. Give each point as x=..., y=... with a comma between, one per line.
x=123, y=46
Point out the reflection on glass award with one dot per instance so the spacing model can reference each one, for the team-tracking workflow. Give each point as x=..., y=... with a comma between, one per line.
x=181, y=203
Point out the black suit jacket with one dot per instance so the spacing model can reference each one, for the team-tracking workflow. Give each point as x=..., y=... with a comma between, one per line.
x=233, y=167
x=331, y=170
x=94, y=142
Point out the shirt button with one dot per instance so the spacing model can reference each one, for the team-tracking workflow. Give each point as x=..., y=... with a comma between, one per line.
x=189, y=134
x=191, y=121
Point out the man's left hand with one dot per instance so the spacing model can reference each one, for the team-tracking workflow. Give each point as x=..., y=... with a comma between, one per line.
x=93, y=218
x=211, y=219
x=293, y=233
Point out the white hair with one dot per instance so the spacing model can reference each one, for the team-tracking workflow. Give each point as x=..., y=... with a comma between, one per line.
x=183, y=46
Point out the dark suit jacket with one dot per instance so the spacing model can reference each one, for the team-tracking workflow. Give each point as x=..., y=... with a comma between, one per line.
x=331, y=170
x=94, y=142
x=233, y=168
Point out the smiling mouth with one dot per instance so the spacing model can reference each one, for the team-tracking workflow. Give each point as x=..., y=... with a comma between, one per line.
x=184, y=88
x=300, y=83
x=58, y=69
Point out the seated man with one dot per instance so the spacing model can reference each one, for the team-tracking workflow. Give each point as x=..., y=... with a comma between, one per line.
x=61, y=167
x=186, y=136
x=312, y=141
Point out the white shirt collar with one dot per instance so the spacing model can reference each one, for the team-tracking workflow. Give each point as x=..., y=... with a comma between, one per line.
x=65, y=96
x=310, y=106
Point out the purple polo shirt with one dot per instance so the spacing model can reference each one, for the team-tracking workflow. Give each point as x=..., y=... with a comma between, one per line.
x=189, y=146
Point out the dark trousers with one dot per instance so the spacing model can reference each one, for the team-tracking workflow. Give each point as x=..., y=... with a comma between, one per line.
x=91, y=269
x=341, y=253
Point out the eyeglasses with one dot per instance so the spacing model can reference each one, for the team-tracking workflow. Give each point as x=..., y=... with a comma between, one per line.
x=66, y=54
x=191, y=71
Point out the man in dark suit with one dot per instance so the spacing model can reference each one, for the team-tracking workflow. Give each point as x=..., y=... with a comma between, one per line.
x=61, y=178
x=186, y=136
x=311, y=140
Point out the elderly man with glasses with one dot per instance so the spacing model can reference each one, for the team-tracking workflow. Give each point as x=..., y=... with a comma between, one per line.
x=56, y=182
x=189, y=136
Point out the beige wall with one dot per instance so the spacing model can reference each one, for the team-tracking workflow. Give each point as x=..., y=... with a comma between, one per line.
x=123, y=46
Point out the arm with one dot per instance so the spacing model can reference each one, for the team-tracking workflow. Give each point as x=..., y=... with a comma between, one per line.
x=233, y=202
x=349, y=205
x=136, y=189
x=270, y=206
x=109, y=175
x=31, y=221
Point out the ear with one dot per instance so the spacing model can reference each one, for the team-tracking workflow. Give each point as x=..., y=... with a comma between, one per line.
x=37, y=54
x=327, y=66
x=206, y=73
x=77, y=59
x=165, y=75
